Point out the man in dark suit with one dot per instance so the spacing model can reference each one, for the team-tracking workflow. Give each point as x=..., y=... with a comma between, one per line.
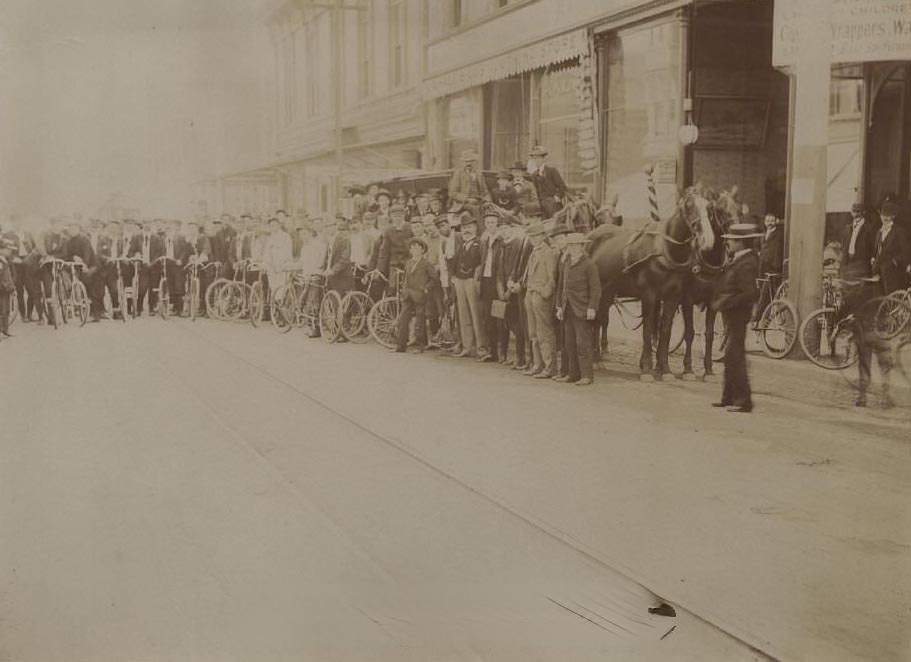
x=890, y=258
x=734, y=298
x=771, y=260
x=858, y=241
x=24, y=266
x=337, y=266
x=110, y=245
x=504, y=195
x=78, y=248
x=578, y=298
x=7, y=286
x=516, y=250
x=148, y=247
x=420, y=277
x=392, y=252
x=547, y=180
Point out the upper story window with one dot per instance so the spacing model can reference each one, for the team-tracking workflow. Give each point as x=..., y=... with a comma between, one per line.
x=455, y=13
x=397, y=32
x=364, y=49
x=312, y=69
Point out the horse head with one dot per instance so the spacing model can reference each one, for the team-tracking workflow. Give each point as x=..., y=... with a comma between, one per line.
x=695, y=207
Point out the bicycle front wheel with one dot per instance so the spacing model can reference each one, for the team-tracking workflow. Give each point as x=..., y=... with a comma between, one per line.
x=383, y=321
x=80, y=302
x=164, y=299
x=211, y=298
x=257, y=304
x=282, y=307
x=778, y=328
x=329, y=310
x=354, y=311
x=827, y=341
x=893, y=315
x=231, y=300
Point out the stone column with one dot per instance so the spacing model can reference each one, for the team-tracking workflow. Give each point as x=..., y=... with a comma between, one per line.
x=808, y=179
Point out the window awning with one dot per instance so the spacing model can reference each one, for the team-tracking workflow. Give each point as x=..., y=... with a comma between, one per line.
x=534, y=56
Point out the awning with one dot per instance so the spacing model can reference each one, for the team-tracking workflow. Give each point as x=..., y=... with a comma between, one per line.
x=534, y=56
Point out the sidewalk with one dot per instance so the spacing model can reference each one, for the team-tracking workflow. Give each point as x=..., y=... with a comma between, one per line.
x=794, y=379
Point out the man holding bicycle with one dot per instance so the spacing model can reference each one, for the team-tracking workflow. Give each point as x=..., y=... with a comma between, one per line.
x=78, y=248
x=110, y=247
x=148, y=247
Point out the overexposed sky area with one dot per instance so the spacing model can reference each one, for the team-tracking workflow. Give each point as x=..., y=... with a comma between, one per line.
x=128, y=98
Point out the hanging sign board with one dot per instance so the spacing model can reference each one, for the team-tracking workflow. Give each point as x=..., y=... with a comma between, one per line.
x=862, y=30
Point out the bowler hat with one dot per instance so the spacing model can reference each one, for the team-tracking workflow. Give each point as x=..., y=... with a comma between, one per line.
x=535, y=228
x=518, y=165
x=538, y=150
x=742, y=231
x=889, y=209
x=504, y=174
x=469, y=155
x=467, y=218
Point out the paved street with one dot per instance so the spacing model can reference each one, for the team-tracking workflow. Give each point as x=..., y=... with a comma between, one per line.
x=208, y=491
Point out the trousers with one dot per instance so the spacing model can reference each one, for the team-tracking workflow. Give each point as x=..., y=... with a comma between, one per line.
x=577, y=337
x=468, y=302
x=416, y=310
x=736, y=390
x=540, y=314
x=513, y=325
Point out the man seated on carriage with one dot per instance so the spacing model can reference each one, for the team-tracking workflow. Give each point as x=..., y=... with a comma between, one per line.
x=526, y=193
x=550, y=185
x=504, y=195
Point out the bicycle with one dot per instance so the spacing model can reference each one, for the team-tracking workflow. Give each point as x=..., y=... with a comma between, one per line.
x=382, y=320
x=827, y=335
x=192, y=299
x=256, y=302
x=778, y=324
x=212, y=292
x=285, y=303
x=894, y=314
x=233, y=300
x=75, y=298
x=355, y=308
x=130, y=292
x=163, y=291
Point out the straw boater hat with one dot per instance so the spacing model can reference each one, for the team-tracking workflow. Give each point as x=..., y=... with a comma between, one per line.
x=742, y=231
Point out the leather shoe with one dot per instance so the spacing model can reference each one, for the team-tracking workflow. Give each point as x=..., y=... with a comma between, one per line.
x=520, y=366
x=488, y=359
x=544, y=375
x=565, y=379
x=464, y=354
x=531, y=371
x=741, y=409
x=585, y=381
x=721, y=404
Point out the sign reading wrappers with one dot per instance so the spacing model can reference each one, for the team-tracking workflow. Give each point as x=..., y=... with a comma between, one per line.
x=862, y=30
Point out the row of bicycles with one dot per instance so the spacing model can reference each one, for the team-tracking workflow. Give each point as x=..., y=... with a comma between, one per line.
x=303, y=301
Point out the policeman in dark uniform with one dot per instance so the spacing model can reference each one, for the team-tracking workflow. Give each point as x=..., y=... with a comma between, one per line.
x=734, y=298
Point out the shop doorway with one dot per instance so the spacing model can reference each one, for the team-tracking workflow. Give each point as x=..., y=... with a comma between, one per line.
x=888, y=150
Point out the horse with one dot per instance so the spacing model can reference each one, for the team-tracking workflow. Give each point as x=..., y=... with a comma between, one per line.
x=652, y=265
x=700, y=284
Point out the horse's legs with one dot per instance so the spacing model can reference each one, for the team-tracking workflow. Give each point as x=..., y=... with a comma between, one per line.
x=648, y=321
x=709, y=339
x=689, y=332
x=668, y=310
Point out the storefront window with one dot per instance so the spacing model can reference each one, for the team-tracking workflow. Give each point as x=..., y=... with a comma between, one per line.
x=558, y=126
x=640, y=101
x=509, y=108
x=845, y=159
x=463, y=124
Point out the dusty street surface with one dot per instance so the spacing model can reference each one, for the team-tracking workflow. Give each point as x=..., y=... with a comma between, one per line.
x=207, y=491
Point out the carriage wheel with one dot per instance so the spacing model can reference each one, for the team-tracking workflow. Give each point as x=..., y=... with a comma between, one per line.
x=354, y=311
x=257, y=304
x=80, y=302
x=826, y=341
x=778, y=328
x=383, y=321
x=329, y=324
x=281, y=308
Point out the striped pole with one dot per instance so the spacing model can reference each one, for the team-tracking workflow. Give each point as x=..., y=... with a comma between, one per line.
x=652, y=193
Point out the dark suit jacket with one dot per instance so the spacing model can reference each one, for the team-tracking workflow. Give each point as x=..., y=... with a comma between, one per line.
x=156, y=246
x=891, y=259
x=467, y=258
x=549, y=184
x=771, y=257
x=497, y=247
x=6, y=277
x=579, y=287
x=52, y=243
x=858, y=265
x=393, y=248
x=420, y=276
x=736, y=291
x=81, y=246
x=338, y=262
x=106, y=246
x=513, y=261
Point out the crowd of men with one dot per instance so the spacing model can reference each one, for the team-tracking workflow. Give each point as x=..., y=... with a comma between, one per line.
x=481, y=251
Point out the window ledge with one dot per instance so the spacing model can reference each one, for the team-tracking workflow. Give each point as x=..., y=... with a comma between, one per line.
x=465, y=27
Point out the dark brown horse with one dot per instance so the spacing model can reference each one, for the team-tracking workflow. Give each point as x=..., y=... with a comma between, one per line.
x=700, y=284
x=653, y=265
